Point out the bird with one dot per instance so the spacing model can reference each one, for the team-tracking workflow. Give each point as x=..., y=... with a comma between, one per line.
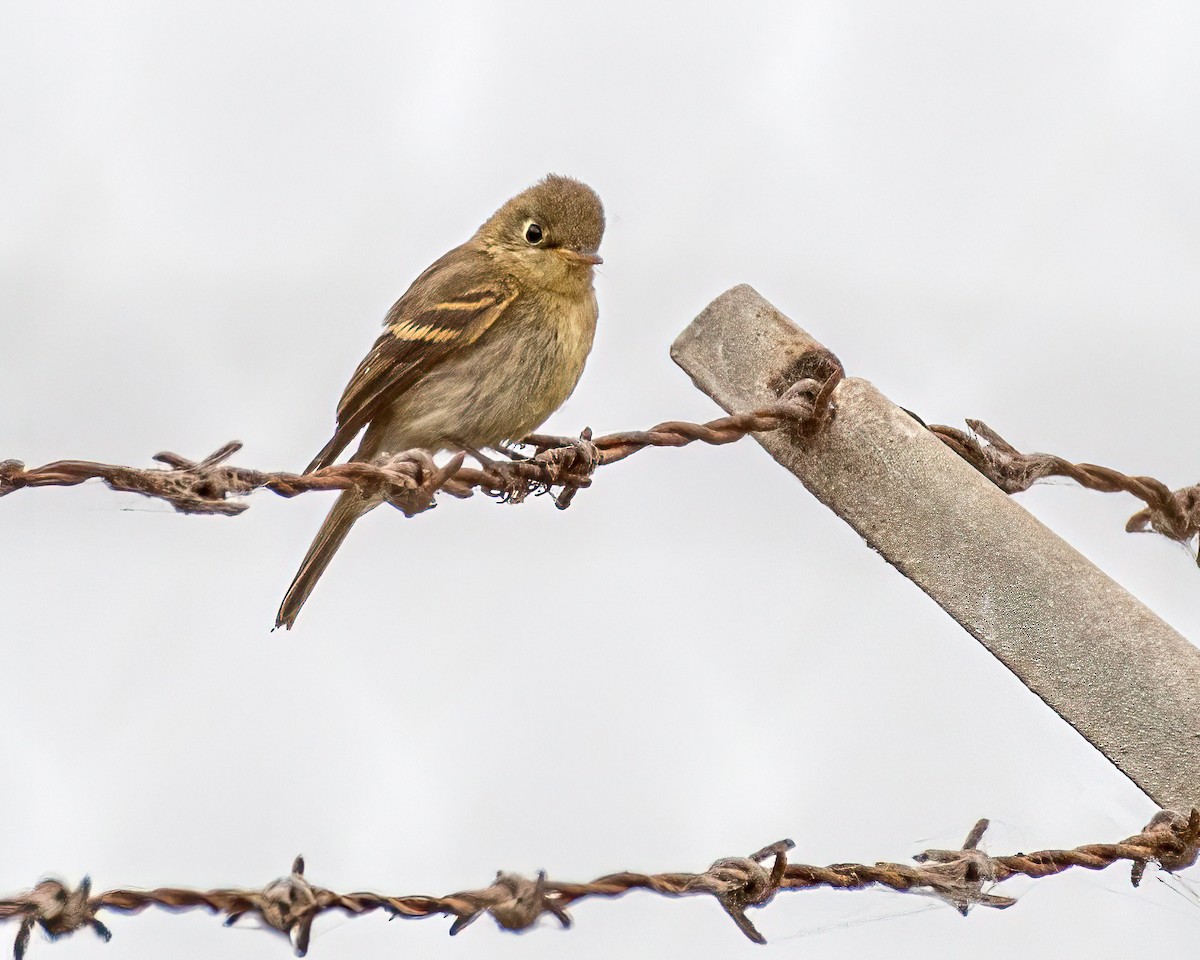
x=480, y=350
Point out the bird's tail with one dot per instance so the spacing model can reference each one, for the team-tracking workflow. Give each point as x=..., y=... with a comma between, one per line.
x=349, y=507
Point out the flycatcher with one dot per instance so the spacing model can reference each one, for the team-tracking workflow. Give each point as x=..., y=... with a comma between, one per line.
x=485, y=345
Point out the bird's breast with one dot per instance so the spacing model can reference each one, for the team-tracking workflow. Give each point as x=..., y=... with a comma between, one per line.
x=549, y=356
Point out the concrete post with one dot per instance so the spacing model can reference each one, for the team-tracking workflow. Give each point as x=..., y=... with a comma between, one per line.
x=1111, y=668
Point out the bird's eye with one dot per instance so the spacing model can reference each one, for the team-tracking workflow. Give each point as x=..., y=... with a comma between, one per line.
x=533, y=234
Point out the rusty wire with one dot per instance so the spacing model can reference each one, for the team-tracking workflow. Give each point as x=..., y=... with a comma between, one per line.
x=1174, y=514
x=961, y=878
x=410, y=480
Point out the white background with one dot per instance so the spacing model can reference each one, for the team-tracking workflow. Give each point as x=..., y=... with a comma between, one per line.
x=989, y=209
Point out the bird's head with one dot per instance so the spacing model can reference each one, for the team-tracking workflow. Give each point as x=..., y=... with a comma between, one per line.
x=550, y=232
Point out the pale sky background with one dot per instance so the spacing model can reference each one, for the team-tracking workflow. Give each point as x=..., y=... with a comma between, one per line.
x=989, y=209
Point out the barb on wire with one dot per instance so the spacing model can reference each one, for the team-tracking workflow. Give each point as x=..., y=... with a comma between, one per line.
x=1174, y=514
x=291, y=904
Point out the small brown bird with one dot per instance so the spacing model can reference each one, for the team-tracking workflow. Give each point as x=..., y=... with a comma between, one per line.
x=486, y=344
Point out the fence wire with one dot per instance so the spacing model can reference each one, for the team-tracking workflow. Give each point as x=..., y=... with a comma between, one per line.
x=962, y=878
x=408, y=480
x=1173, y=513
x=411, y=480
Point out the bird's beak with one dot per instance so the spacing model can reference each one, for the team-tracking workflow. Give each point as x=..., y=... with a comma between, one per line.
x=574, y=256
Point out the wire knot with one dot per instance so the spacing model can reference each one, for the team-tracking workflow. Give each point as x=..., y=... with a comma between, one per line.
x=958, y=876
x=515, y=903
x=57, y=909
x=411, y=480
x=289, y=905
x=10, y=472
x=194, y=486
x=741, y=882
x=808, y=381
x=569, y=462
x=1175, y=839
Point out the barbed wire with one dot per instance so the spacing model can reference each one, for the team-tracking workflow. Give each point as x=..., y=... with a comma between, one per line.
x=961, y=878
x=410, y=480
x=1174, y=514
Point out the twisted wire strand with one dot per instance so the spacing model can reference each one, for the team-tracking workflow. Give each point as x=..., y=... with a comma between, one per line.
x=410, y=480
x=1173, y=514
x=962, y=878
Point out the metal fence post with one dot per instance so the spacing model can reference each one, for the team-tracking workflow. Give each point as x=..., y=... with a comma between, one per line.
x=1111, y=668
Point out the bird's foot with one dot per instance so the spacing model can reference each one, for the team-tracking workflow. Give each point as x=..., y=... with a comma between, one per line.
x=482, y=458
x=511, y=451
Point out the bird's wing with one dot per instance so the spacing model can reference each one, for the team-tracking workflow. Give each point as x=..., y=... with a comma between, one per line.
x=447, y=308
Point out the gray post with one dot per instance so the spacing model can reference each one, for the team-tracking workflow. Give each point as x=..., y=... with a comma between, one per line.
x=1111, y=668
